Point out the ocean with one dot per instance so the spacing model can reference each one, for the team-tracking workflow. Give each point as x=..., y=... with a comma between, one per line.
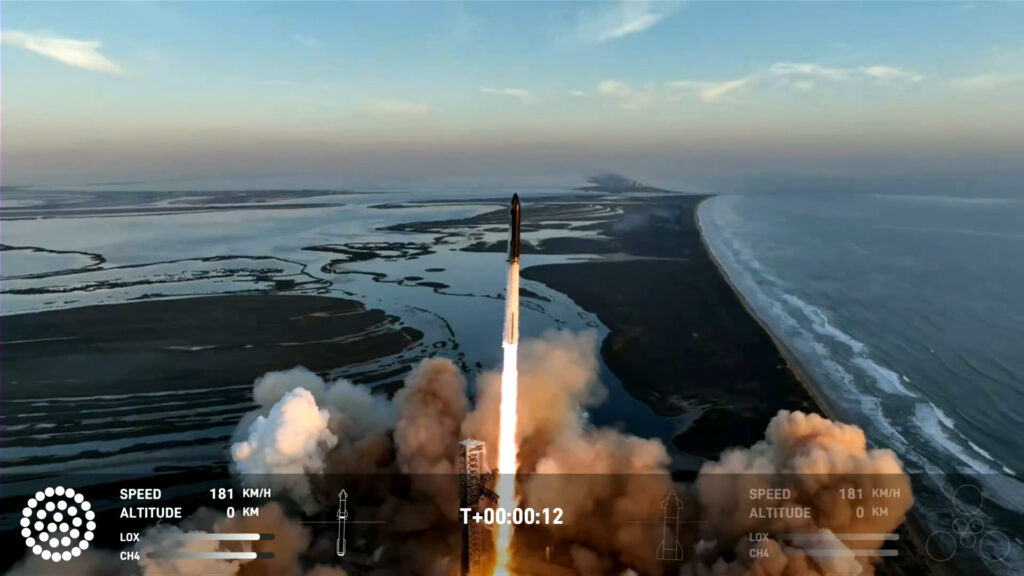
x=907, y=313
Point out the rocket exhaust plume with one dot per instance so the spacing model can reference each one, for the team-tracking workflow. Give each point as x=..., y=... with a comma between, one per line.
x=509, y=391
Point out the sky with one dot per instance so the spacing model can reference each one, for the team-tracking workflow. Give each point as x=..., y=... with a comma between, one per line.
x=361, y=93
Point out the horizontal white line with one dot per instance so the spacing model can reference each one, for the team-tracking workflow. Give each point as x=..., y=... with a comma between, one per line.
x=888, y=537
x=347, y=521
x=205, y=555
x=851, y=536
x=832, y=552
x=33, y=340
x=206, y=536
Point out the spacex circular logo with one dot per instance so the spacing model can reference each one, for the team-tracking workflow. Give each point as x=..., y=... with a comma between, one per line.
x=58, y=524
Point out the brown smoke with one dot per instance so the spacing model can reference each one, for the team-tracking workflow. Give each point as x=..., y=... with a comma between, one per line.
x=608, y=484
x=589, y=563
x=818, y=461
x=397, y=461
x=290, y=541
x=165, y=538
x=611, y=485
x=326, y=571
x=557, y=380
x=375, y=444
x=304, y=426
x=430, y=408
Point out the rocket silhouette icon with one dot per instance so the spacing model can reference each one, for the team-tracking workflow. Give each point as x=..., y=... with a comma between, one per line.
x=670, y=548
x=342, y=521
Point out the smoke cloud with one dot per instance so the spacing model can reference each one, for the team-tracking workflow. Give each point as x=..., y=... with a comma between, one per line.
x=292, y=440
x=397, y=460
x=598, y=477
x=558, y=379
x=817, y=461
x=167, y=538
x=430, y=408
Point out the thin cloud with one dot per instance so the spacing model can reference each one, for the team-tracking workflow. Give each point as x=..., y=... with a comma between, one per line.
x=719, y=90
x=712, y=91
x=391, y=107
x=987, y=82
x=610, y=22
x=789, y=69
x=513, y=92
x=78, y=53
x=800, y=76
x=888, y=74
x=579, y=94
x=624, y=94
x=804, y=85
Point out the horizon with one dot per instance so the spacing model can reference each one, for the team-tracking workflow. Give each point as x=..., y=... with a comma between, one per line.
x=680, y=95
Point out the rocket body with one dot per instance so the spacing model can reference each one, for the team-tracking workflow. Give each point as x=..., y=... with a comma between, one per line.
x=511, y=335
x=507, y=449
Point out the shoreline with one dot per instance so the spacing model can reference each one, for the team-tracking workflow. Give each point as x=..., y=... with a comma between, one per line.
x=798, y=370
x=684, y=340
x=913, y=525
x=679, y=341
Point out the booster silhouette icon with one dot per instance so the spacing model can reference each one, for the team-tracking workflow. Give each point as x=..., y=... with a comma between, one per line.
x=342, y=521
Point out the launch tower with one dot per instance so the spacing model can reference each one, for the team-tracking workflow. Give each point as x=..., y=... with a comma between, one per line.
x=472, y=486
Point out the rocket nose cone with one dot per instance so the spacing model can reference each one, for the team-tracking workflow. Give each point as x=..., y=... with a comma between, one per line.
x=515, y=200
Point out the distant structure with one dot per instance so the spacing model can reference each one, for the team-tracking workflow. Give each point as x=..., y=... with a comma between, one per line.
x=473, y=477
x=611, y=182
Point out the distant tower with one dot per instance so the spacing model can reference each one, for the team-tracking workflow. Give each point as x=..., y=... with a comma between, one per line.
x=472, y=486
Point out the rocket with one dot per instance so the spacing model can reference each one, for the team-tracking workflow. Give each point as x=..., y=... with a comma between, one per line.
x=511, y=336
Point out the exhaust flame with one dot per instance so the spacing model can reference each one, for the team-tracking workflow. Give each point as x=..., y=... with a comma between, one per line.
x=507, y=454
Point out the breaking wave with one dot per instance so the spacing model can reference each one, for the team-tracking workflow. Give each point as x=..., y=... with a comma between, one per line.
x=892, y=409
